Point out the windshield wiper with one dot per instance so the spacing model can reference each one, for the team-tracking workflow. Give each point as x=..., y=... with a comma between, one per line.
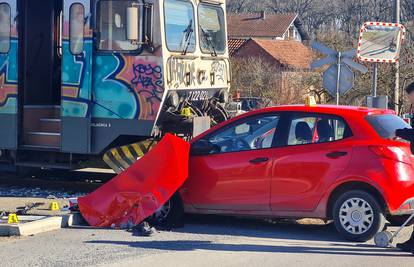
x=207, y=38
x=187, y=33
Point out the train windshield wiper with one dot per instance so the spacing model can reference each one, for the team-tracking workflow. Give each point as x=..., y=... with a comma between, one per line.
x=186, y=40
x=207, y=38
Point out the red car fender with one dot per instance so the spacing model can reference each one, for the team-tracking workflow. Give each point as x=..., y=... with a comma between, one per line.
x=138, y=192
x=323, y=203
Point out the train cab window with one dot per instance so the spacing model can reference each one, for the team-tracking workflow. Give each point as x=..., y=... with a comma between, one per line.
x=111, y=26
x=77, y=17
x=212, y=29
x=5, y=27
x=179, y=26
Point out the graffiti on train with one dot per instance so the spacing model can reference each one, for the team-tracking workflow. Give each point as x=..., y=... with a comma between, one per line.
x=148, y=82
x=9, y=70
x=123, y=87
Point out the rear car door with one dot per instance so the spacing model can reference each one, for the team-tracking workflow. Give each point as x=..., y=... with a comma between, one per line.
x=317, y=151
x=8, y=74
x=236, y=175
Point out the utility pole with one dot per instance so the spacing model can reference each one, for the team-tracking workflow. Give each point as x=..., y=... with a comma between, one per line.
x=397, y=19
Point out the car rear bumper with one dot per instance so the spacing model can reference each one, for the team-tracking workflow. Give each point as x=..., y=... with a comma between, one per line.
x=397, y=183
x=406, y=208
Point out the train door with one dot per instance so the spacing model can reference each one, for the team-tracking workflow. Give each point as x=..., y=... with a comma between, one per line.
x=39, y=74
x=76, y=49
x=8, y=74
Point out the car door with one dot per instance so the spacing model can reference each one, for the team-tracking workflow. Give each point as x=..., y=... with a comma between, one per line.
x=236, y=174
x=317, y=151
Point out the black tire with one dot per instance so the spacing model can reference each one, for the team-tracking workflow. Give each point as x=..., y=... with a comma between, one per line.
x=362, y=224
x=399, y=220
x=174, y=217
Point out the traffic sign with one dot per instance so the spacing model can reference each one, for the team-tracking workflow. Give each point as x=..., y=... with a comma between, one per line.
x=323, y=49
x=330, y=79
x=338, y=79
x=355, y=65
x=324, y=61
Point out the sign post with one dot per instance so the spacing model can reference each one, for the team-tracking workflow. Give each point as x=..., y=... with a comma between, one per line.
x=338, y=79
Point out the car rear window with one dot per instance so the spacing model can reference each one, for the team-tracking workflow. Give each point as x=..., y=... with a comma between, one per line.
x=386, y=125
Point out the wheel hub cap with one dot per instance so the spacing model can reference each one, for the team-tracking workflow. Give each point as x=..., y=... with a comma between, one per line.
x=356, y=216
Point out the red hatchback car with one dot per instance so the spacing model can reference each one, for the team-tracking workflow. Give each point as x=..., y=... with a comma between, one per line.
x=330, y=162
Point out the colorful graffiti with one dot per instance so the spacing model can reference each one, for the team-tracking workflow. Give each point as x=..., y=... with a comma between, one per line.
x=148, y=82
x=123, y=87
x=109, y=85
x=76, y=77
x=8, y=80
x=127, y=87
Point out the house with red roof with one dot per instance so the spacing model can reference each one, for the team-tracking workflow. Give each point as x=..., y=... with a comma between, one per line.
x=277, y=39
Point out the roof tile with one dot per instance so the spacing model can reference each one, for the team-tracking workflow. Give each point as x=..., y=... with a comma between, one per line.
x=253, y=25
x=290, y=54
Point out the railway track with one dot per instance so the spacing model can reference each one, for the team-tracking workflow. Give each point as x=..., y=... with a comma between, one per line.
x=60, y=181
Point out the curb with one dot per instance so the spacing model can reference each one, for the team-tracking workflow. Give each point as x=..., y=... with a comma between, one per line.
x=31, y=225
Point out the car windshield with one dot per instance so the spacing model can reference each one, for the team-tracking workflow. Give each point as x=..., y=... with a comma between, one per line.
x=386, y=125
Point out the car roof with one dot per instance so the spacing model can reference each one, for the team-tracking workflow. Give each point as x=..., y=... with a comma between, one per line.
x=328, y=109
x=342, y=111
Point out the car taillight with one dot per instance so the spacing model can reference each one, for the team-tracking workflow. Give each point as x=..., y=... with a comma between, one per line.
x=392, y=152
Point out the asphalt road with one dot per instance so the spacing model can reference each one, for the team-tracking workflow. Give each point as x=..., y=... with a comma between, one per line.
x=204, y=241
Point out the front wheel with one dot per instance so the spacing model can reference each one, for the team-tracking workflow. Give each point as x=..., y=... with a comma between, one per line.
x=358, y=216
x=170, y=215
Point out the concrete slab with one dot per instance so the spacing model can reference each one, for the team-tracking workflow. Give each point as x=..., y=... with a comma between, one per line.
x=31, y=225
x=73, y=219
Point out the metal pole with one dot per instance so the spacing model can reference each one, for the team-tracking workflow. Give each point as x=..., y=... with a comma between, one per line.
x=338, y=77
x=375, y=80
x=397, y=13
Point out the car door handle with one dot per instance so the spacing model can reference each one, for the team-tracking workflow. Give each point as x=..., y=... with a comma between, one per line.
x=258, y=160
x=336, y=154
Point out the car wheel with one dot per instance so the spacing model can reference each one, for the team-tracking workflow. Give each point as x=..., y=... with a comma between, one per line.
x=358, y=216
x=170, y=215
x=399, y=220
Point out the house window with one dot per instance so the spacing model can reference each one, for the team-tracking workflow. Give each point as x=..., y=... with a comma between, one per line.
x=5, y=27
x=212, y=29
x=77, y=17
x=111, y=26
x=179, y=26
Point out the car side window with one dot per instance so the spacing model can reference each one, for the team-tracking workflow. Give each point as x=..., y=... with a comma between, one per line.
x=251, y=134
x=313, y=129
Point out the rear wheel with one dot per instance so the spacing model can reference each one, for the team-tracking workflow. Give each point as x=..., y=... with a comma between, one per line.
x=358, y=216
x=170, y=215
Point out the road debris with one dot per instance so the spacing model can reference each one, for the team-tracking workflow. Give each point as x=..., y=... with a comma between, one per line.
x=137, y=193
x=144, y=229
x=28, y=207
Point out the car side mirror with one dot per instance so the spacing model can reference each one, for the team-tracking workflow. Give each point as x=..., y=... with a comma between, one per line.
x=201, y=147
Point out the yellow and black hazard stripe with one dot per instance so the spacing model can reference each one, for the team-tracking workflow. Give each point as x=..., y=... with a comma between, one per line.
x=121, y=158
